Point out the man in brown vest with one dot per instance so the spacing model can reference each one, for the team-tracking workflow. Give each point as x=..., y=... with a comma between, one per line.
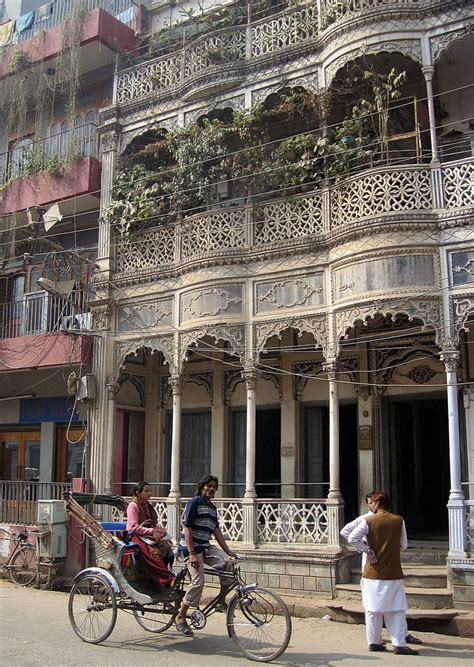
x=383, y=592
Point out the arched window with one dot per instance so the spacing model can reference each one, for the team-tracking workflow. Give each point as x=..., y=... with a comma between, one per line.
x=90, y=136
x=53, y=140
x=34, y=275
x=64, y=138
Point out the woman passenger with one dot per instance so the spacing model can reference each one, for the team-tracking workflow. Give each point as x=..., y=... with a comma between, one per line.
x=142, y=521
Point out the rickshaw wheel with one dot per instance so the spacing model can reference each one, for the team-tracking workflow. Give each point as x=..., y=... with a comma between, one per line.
x=156, y=617
x=92, y=608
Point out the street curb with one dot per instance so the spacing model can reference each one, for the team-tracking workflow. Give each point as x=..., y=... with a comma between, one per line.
x=462, y=625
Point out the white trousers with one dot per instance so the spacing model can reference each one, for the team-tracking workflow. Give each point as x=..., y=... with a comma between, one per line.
x=395, y=622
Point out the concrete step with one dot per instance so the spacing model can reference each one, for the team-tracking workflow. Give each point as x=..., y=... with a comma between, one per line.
x=426, y=552
x=417, y=576
x=420, y=598
x=446, y=621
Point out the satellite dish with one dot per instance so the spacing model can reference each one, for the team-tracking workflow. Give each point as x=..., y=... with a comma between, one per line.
x=51, y=217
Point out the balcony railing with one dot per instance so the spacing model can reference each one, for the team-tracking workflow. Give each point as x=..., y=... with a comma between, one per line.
x=50, y=153
x=369, y=195
x=293, y=521
x=19, y=500
x=234, y=46
x=42, y=312
x=55, y=13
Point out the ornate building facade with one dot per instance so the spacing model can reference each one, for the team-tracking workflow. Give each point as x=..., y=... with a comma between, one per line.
x=304, y=347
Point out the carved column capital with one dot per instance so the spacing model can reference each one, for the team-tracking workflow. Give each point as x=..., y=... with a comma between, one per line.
x=176, y=383
x=250, y=376
x=450, y=358
x=428, y=72
x=331, y=366
x=112, y=390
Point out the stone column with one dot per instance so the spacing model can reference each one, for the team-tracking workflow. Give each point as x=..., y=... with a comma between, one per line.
x=174, y=498
x=112, y=389
x=109, y=154
x=289, y=428
x=335, y=502
x=218, y=429
x=103, y=365
x=250, y=377
x=249, y=502
x=177, y=389
x=456, y=509
x=436, y=175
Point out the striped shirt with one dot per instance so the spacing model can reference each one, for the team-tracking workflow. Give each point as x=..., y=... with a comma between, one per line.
x=201, y=517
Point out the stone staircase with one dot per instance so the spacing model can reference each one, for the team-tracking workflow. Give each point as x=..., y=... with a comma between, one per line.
x=429, y=600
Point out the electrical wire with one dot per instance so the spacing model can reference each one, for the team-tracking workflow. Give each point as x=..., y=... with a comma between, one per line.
x=356, y=168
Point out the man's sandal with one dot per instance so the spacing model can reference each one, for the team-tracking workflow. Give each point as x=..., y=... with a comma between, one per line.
x=184, y=629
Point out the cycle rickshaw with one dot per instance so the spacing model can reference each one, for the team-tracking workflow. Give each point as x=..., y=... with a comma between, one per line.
x=257, y=619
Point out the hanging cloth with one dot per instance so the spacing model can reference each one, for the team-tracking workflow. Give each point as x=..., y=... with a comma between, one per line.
x=24, y=22
x=126, y=16
x=6, y=33
x=43, y=12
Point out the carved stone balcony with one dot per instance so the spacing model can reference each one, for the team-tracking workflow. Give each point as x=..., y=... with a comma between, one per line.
x=384, y=196
x=221, y=57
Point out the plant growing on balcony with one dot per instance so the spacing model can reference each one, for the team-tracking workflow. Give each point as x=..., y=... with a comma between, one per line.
x=373, y=110
x=55, y=166
x=32, y=159
x=138, y=197
x=221, y=53
x=19, y=61
x=200, y=155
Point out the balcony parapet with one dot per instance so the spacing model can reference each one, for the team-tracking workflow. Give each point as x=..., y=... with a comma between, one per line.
x=232, y=49
x=50, y=153
x=41, y=313
x=386, y=195
x=97, y=25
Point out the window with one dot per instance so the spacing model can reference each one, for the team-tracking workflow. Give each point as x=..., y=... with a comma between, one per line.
x=34, y=275
x=20, y=150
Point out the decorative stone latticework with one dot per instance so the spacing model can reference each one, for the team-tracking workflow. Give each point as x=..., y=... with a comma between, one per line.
x=307, y=308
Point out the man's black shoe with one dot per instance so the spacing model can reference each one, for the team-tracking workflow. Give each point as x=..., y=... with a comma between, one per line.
x=377, y=647
x=404, y=650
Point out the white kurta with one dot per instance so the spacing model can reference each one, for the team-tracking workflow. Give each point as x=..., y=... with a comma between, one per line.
x=349, y=527
x=379, y=594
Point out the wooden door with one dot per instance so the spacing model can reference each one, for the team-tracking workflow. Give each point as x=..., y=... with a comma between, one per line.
x=238, y=453
x=195, y=449
x=20, y=455
x=314, y=460
x=70, y=453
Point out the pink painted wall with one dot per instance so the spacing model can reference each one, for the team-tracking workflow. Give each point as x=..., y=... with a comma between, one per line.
x=54, y=349
x=97, y=25
x=82, y=177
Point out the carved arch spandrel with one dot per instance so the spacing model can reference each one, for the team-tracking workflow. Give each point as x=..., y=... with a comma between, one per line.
x=234, y=335
x=386, y=363
x=315, y=325
x=163, y=344
x=411, y=48
x=428, y=311
x=463, y=308
x=440, y=43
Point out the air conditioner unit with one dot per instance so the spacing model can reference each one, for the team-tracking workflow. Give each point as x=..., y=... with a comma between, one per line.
x=86, y=389
x=52, y=518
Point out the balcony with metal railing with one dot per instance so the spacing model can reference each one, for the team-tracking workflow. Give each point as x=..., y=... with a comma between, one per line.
x=43, y=330
x=41, y=312
x=46, y=170
x=50, y=153
x=56, y=12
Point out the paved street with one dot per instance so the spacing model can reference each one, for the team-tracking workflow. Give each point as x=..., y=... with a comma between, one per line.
x=35, y=630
